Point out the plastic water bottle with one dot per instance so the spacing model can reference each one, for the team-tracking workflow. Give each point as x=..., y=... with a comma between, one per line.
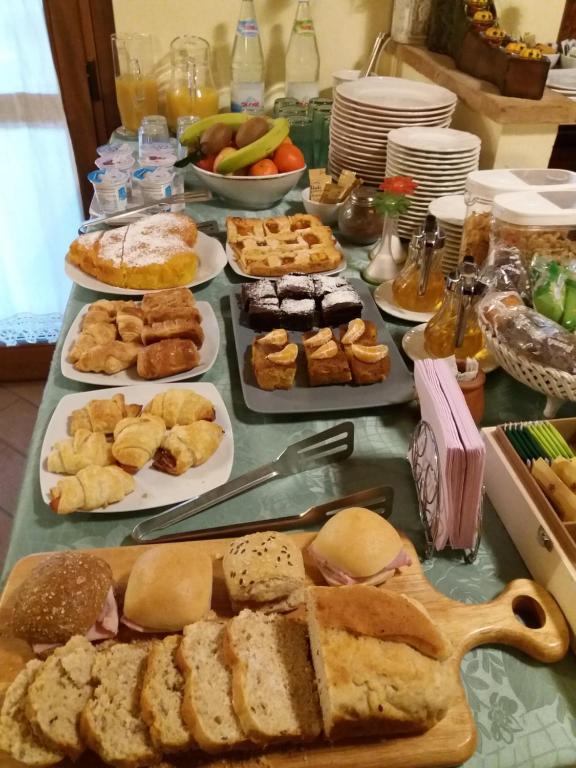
x=247, y=83
x=302, y=57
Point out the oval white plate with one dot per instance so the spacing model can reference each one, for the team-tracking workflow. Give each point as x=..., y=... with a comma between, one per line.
x=153, y=488
x=239, y=271
x=385, y=300
x=430, y=139
x=413, y=346
x=208, y=354
x=396, y=93
x=211, y=261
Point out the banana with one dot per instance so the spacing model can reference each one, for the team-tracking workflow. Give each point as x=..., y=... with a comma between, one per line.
x=255, y=151
x=193, y=133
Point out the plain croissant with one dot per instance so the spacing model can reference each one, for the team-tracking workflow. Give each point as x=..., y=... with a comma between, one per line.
x=102, y=415
x=180, y=406
x=136, y=440
x=86, y=448
x=91, y=488
x=97, y=333
x=113, y=357
x=188, y=446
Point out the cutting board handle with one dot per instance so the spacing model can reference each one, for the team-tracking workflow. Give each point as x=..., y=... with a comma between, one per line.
x=524, y=616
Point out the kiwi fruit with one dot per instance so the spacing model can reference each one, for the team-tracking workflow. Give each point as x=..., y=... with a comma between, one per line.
x=251, y=130
x=215, y=138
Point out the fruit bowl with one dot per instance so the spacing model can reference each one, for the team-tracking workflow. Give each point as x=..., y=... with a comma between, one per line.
x=251, y=192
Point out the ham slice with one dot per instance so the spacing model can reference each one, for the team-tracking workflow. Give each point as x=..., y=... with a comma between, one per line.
x=338, y=576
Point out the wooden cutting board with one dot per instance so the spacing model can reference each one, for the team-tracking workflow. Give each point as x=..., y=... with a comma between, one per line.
x=542, y=634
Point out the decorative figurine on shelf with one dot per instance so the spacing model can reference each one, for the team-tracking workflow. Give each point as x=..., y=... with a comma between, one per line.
x=391, y=202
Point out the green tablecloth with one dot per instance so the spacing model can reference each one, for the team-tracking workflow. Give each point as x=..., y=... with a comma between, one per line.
x=525, y=711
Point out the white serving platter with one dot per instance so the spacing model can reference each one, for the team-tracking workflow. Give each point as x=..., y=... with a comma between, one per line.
x=153, y=488
x=129, y=377
x=384, y=298
x=211, y=261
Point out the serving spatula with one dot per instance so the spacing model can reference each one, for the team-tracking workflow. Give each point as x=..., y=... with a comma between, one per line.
x=334, y=444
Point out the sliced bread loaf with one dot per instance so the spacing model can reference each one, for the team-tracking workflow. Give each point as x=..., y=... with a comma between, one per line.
x=274, y=692
x=207, y=705
x=110, y=722
x=16, y=734
x=161, y=699
x=58, y=694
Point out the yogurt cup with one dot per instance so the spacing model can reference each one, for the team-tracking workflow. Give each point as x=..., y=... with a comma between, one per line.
x=116, y=161
x=154, y=183
x=117, y=148
x=158, y=158
x=155, y=148
x=110, y=188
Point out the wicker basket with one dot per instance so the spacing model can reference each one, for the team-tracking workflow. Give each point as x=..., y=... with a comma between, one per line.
x=558, y=386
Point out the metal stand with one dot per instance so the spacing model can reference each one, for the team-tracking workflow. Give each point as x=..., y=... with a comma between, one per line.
x=425, y=463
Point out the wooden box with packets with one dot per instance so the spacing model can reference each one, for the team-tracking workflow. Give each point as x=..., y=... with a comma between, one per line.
x=546, y=543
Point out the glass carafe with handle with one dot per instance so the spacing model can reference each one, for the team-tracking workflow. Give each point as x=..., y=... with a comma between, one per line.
x=192, y=90
x=136, y=86
x=420, y=285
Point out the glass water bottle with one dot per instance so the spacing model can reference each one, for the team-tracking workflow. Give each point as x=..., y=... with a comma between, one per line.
x=302, y=57
x=247, y=80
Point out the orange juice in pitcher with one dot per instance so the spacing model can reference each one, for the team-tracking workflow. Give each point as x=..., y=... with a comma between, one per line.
x=191, y=90
x=136, y=88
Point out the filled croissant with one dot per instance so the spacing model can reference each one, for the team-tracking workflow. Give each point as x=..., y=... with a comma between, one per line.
x=102, y=415
x=180, y=406
x=97, y=333
x=91, y=488
x=188, y=446
x=86, y=448
x=136, y=440
x=113, y=357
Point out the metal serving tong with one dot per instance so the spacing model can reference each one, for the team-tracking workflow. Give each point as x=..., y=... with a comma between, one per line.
x=334, y=444
x=196, y=196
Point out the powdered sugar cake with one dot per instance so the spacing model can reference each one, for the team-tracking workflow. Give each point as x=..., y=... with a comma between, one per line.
x=154, y=252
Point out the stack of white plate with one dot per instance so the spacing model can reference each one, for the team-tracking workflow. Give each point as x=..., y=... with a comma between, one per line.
x=450, y=212
x=438, y=159
x=366, y=110
x=563, y=81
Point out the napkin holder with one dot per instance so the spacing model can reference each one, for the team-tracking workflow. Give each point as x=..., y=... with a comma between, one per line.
x=425, y=463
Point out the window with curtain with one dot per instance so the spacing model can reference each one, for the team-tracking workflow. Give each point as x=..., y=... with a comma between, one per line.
x=40, y=203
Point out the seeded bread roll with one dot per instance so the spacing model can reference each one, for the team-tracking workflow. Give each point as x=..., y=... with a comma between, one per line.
x=16, y=735
x=264, y=571
x=62, y=596
x=58, y=694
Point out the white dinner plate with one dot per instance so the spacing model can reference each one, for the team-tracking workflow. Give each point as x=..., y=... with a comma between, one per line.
x=208, y=354
x=396, y=93
x=239, y=271
x=394, y=112
x=385, y=125
x=211, y=261
x=153, y=488
x=430, y=139
x=413, y=346
x=384, y=298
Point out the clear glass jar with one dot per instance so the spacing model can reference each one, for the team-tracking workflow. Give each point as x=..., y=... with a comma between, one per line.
x=358, y=220
x=420, y=285
x=476, y=230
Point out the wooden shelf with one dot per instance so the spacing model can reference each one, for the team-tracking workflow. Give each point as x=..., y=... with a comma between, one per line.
x=483, y=97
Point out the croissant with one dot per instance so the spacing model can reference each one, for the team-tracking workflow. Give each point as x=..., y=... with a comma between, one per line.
x=108, y=358
x=130, y=325
x=97, y=333
x=180, y=406
x=91, y=488
x=86, y=448
x=102, y=415
x=179, y=328
x=188, y=446
x=136, y=440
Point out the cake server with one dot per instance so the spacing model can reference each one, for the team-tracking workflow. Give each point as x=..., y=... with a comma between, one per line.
x=334, y=444
x=379, y=499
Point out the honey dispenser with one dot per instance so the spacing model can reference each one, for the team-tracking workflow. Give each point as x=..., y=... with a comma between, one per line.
x=420, y=285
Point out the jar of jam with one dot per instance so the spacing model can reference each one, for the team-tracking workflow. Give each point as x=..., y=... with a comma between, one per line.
x=358, y=220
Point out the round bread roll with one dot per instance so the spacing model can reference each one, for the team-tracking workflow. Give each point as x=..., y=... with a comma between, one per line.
x=169, y=587
x=357, y=541
x=63, y=596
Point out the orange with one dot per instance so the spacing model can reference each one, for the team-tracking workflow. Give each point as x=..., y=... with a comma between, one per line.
x=288, y=158
x=263, y=168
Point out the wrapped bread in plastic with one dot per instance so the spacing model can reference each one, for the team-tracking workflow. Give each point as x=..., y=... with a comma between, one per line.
x=527, y=332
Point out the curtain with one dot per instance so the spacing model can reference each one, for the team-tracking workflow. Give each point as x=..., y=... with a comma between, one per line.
x=40, y=205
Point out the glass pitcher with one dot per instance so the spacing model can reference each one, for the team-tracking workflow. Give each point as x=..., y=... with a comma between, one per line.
x=136, y=88
x=454, y=329
x=420, y=285
x=191, y=90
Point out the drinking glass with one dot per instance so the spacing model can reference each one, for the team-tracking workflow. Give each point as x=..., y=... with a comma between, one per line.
x=182, y=122
x=302, y=137
x=153, y=130
x=136, y=88
x=287, y=101
x=191, y=90
x=320, y=111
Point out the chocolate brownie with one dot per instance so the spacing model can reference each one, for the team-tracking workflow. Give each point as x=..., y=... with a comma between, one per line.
x=261, y=289
x=265, y=314
x=340, y=307
x=295, y=287
x=298, y=314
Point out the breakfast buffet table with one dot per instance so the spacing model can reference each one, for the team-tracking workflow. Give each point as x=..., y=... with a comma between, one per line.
x=525, y=711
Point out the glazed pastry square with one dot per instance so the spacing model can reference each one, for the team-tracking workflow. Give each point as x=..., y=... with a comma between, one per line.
x=326, y=370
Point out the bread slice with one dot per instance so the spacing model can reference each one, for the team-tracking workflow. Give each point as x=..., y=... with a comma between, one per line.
x=58, y=694
x=273, y=687
x=161, y=698
x=371, y=686
x=207, y=706
x=110, y=722
x=16, y=734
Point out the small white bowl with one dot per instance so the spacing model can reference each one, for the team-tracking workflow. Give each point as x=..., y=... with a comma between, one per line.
x=326, y=212
x=251, y=192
